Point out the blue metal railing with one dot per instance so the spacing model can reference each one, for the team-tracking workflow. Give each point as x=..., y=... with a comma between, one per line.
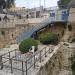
x=28, y=34
x=25, y=35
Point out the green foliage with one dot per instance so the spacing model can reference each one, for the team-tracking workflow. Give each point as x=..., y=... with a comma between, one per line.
x=49, y=38
x=63, y=3
x=25, y=45
x=6, y=3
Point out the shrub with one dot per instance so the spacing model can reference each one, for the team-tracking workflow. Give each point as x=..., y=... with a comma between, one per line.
x=49, y=38
x=25, y=45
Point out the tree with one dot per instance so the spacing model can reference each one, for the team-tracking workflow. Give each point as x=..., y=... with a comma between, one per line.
x=9, y=3
x=26, y=44
x=49, y=38
x=63, y=3
x=6, y=3
x=2, y=4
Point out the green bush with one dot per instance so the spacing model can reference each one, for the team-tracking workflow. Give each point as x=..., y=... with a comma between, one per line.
x=49, y=38
x=25, y=45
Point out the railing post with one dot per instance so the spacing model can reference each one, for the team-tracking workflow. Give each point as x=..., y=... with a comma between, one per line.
x=40, y=56
x=49, y=50
x=22, y=69
x=9, y=58
x=11, y=65
x=26, y=67
x=45, y=53
x=34, y=61
x=1, y=63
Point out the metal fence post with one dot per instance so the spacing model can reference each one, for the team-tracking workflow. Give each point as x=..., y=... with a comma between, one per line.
x=9, y=58
x=22, y=69
x=26, y=67
x=40, y=56
x=49, y=50
x=1, y=63
x=45, y=53
x=34, y=60
x=11, y=65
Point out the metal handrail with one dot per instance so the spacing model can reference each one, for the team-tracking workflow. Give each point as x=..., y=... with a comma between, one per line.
x=27, y=68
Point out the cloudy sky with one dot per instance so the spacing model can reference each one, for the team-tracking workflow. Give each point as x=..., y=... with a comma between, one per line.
x=35, y=3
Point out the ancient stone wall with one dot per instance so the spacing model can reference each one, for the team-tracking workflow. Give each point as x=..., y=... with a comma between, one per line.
x=58, y=62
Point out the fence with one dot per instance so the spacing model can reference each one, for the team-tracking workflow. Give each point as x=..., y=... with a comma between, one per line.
x=25, y=66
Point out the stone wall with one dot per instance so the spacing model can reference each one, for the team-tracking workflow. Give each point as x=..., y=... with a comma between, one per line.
x=71, y=20
x=58, y=62
x=71, y=17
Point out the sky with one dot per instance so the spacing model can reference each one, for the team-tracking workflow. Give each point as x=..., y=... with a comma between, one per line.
x=35, y=3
